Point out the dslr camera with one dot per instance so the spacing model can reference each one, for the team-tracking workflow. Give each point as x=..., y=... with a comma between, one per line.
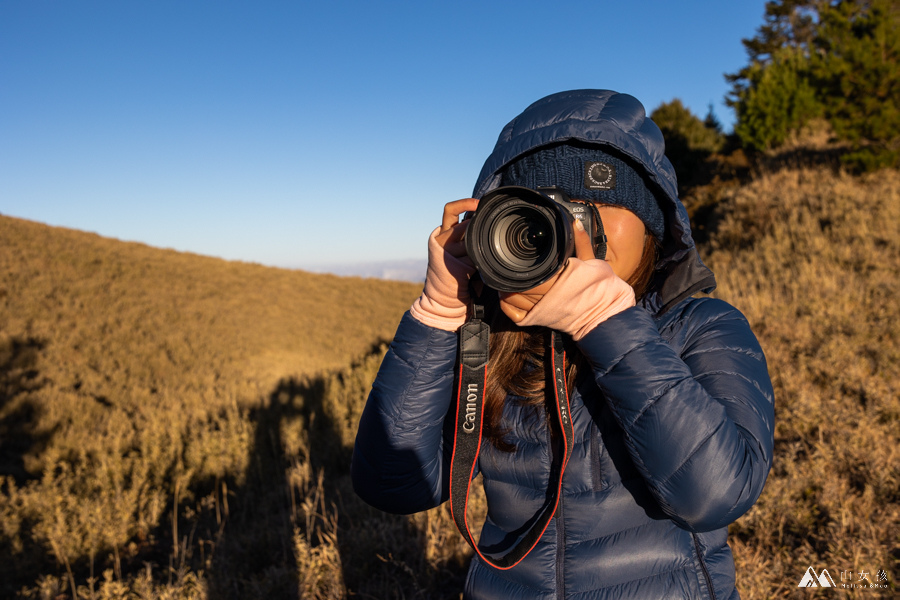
x=518, y=238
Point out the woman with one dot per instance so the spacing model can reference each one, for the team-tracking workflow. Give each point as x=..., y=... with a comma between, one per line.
x=671, y=402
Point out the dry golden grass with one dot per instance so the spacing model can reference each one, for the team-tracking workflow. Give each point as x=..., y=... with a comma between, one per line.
x=174, y=426
x=813, y=260
x=151, y=402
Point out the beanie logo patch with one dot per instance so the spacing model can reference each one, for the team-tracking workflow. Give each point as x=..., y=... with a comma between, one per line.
x=599, y=175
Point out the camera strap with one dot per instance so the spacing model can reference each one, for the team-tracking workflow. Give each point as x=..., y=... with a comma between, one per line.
x=473, y=358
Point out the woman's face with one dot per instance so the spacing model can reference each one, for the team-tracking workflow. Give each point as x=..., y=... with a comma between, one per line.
x=625, y=234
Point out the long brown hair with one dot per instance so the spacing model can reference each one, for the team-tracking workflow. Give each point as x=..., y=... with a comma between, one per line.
x=516, y=365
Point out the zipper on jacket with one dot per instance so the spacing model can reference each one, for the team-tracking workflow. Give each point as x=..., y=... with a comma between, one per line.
x=560, y=551
x=596, y=475
x=712, y=591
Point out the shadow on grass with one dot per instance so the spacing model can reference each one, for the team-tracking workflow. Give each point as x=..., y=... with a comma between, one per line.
x=348, y=547
x=19, y=415
x=20, y=436
x=289, y=527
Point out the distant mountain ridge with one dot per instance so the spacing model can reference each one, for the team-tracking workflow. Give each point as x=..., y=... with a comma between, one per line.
x=412, y=270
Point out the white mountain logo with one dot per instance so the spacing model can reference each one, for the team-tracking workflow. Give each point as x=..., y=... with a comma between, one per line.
x=810, y=579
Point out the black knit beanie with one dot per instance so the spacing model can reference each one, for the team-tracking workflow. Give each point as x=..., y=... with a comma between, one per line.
x=589, y=173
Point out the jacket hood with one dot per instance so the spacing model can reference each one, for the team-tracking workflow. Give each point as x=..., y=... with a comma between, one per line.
x=617, y=122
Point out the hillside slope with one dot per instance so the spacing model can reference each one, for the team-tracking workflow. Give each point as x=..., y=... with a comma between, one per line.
x=129, y=375
x=813, y=259
x=173, y=426
x=180, y=319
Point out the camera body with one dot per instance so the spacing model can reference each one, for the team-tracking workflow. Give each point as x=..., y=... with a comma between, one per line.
x=518, y=238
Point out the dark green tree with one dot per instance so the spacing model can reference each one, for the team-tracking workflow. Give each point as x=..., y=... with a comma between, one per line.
x=711, y=121
x=689, y=141
x=857, y=70
x=832, y=58
x=787, y=24
x=779, y=100
x=772, y=95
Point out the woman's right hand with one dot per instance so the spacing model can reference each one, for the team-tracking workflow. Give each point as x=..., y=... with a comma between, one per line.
x=450, y=236
x=445, y=298
x=577, y=299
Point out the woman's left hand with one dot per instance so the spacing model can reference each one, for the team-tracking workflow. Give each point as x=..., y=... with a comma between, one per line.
x=518, y=305
x=583, y=294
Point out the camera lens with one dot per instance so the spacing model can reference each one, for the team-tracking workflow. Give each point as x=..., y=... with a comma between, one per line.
x=518, y=238
x=523, y=238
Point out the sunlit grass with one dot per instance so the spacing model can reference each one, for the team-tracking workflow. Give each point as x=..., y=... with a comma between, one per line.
x=813, y=260
x=175, y=426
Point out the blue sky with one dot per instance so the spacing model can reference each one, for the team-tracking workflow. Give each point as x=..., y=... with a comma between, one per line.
x=298, y=134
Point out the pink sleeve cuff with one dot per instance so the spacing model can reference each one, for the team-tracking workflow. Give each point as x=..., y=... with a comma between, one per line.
x=445, y=298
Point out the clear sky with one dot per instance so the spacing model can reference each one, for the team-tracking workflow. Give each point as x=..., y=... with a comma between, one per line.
x=302, y=133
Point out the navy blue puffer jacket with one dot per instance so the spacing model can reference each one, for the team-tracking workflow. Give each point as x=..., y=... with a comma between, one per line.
x=673, y=426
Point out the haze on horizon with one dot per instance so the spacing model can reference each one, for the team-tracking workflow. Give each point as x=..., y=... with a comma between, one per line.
x=312, y=136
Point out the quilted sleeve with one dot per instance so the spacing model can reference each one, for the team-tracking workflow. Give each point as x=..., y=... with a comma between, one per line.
x=699, y=420
x=399, y=461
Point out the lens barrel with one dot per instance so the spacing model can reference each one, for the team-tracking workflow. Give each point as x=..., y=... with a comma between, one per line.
x=518, y=238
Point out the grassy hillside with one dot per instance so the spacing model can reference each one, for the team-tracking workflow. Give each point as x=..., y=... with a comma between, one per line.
x=85, y=293
x=136, y=385
x=813, y=260
x=173, y=426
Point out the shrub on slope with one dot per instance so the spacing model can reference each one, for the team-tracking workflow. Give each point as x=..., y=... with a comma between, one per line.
x=813, y=260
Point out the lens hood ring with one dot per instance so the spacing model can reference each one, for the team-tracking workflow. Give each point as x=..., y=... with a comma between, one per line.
x=518, y=238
